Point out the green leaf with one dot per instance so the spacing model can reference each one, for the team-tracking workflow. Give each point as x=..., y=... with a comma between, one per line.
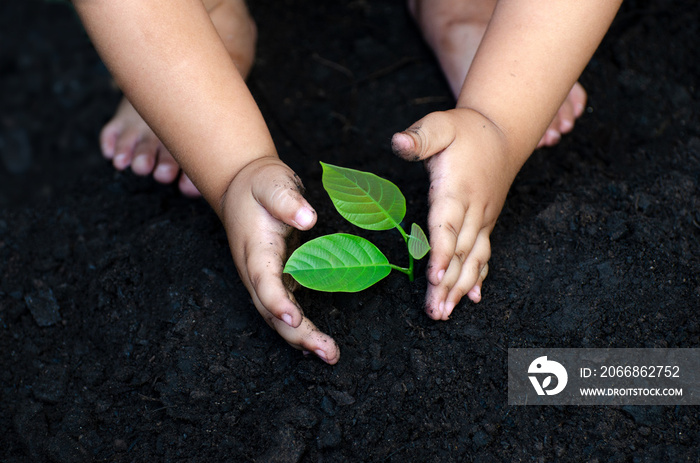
x=417, y=242
x=338, y=262
x=364, y=199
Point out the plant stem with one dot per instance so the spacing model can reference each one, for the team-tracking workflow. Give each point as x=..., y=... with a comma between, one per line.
x=408, y=271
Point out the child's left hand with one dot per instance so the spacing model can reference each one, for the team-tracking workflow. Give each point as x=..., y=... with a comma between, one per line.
x=470, y=174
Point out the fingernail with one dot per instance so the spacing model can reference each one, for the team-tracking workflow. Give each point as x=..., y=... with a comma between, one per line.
x=578, y=109
x=304, y=217
x=449, y=307
x=321, y=355
x=475, y=293
x=440, y=276
x=441, y=308
x=566, y=125
x=287, y=319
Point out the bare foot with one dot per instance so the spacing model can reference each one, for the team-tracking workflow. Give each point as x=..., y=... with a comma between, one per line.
x=128, y=141
x=454, y=28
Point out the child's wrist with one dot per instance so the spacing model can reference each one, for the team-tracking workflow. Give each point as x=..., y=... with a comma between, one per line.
x=506, y=143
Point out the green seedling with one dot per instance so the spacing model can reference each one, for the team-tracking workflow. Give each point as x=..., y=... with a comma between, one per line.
x=348, y=263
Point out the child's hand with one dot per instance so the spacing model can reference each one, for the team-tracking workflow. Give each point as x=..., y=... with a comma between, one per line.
x=470, y=174
x=259, y=210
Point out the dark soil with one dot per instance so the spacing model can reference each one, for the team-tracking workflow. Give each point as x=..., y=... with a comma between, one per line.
x=126, y=335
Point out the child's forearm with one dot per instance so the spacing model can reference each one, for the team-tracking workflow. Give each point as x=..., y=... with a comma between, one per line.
x=530, y=57
x=170, y=62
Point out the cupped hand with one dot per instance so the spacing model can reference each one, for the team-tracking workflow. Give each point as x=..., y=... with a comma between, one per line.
x=260, y=209
x=470, y=174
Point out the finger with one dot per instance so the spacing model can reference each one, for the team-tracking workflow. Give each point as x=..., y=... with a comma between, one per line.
x=452, y=230
x=264, y=269
x=462, y=274
x=307, y=337
x=427, y=137
x=470, y=272
x=445, y=221
x=435, y=301
x=474, y=294
x=282, y=198
x=440, y=294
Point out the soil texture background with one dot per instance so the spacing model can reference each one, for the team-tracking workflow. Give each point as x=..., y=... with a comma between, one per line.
x=126, y=335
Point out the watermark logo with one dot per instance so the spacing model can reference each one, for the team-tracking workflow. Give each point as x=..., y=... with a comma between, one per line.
x=541, y=366
x=603, y=376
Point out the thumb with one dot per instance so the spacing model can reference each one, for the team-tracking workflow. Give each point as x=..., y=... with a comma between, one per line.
x=427, y=137
x=281, y=196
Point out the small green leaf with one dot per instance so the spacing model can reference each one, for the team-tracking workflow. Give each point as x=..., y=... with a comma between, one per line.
x=417, y=242
x=364, y=199
x=338, y=262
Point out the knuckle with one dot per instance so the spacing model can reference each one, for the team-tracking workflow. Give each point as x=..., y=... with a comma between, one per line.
x=479, y=266
x=438, y=118
x=256, y=279
x=475, y=267
x=284, y=196
x=439, y=229
x=452, y=228
x=461, y=255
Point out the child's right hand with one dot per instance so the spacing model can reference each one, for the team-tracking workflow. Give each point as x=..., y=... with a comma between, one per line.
x=262, y=204
x=470, y=171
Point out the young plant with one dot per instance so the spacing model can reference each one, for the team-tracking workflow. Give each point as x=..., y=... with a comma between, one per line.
x=350, y=263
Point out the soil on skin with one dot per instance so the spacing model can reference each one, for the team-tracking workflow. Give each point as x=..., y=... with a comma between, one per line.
x=126, y=335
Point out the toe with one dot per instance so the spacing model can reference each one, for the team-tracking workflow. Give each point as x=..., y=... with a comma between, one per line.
x=563, y=122
x=565, y=117
x=166, y=167
x=187, y=187
x=578, y=98
x=552, y=136
x=108, y=138
x=145, y=153
x=124, y=149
